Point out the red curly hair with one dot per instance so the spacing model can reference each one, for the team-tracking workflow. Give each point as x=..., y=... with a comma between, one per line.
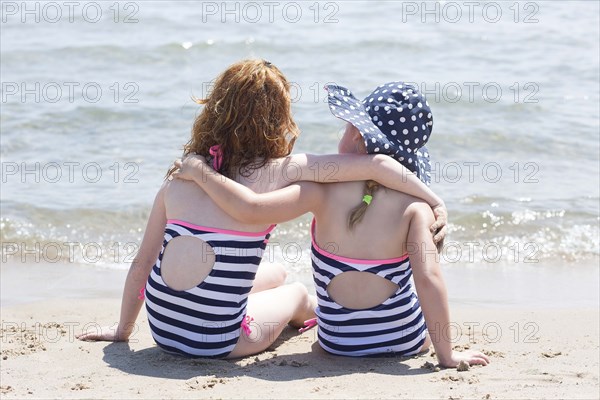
x=248, y=114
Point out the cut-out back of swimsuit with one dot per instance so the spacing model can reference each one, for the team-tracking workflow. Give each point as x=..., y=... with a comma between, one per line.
x=205, y=321
x=394, y=326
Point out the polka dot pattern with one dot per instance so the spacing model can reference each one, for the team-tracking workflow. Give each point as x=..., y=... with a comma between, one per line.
x=381, y=128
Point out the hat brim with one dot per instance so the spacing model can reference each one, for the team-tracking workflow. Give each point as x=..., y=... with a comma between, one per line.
x=345, y=106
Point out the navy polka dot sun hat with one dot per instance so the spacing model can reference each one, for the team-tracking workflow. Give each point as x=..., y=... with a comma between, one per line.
x=395, y=120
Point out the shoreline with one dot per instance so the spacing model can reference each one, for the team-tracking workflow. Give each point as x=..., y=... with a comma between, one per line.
x=488, y=286
x=532, y=349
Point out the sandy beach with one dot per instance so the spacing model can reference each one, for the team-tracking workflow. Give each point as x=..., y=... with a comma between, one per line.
x=98, y=101
x=541, y=354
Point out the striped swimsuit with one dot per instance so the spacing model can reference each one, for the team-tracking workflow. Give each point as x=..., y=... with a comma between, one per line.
x=395, y=326
x=205, y=321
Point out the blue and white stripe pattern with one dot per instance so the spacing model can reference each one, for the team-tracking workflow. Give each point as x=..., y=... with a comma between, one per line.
x=205, y=321
x=395, y=326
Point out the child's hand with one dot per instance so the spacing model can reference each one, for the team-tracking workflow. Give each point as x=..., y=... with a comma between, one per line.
x=106, y=333
x=439, y=228
x=190, y=164
x=472, y=357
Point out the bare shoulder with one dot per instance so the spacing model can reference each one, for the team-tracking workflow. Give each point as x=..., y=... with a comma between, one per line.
x=285, y=166
x=163, y=188
x=168, y=186
x=287, y=170
x=180, y=191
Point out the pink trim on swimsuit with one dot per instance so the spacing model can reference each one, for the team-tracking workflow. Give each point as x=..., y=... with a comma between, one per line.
x=348, y=259
x=217, y=230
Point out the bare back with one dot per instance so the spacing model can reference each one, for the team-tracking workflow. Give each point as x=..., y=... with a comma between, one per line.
x=381, y=234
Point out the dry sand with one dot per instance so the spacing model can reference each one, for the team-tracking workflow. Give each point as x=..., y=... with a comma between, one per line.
x=539, y=354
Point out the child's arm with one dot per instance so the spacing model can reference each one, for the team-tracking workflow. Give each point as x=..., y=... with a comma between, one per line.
x=138, y=275
x=329, y=169
x=249, y=207
x=431, y=290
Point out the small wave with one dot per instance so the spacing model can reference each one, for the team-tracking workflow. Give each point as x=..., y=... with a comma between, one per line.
x=111, y=237
x=82, y=236
x=526, y=235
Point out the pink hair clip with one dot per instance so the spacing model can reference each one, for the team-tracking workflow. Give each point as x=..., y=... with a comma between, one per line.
x=217, y=154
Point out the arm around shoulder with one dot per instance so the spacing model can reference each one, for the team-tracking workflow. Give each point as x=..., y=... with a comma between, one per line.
x=272, y=207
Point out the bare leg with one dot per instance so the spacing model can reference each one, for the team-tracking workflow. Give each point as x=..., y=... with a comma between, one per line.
x=268, y=276
x=272, y=310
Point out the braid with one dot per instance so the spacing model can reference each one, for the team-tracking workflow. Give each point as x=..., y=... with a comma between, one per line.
x=359, y=211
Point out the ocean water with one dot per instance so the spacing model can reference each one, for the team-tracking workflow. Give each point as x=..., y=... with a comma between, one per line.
x=96, y=103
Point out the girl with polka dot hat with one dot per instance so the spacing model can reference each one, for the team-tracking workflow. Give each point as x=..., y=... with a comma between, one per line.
x=366, y=257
